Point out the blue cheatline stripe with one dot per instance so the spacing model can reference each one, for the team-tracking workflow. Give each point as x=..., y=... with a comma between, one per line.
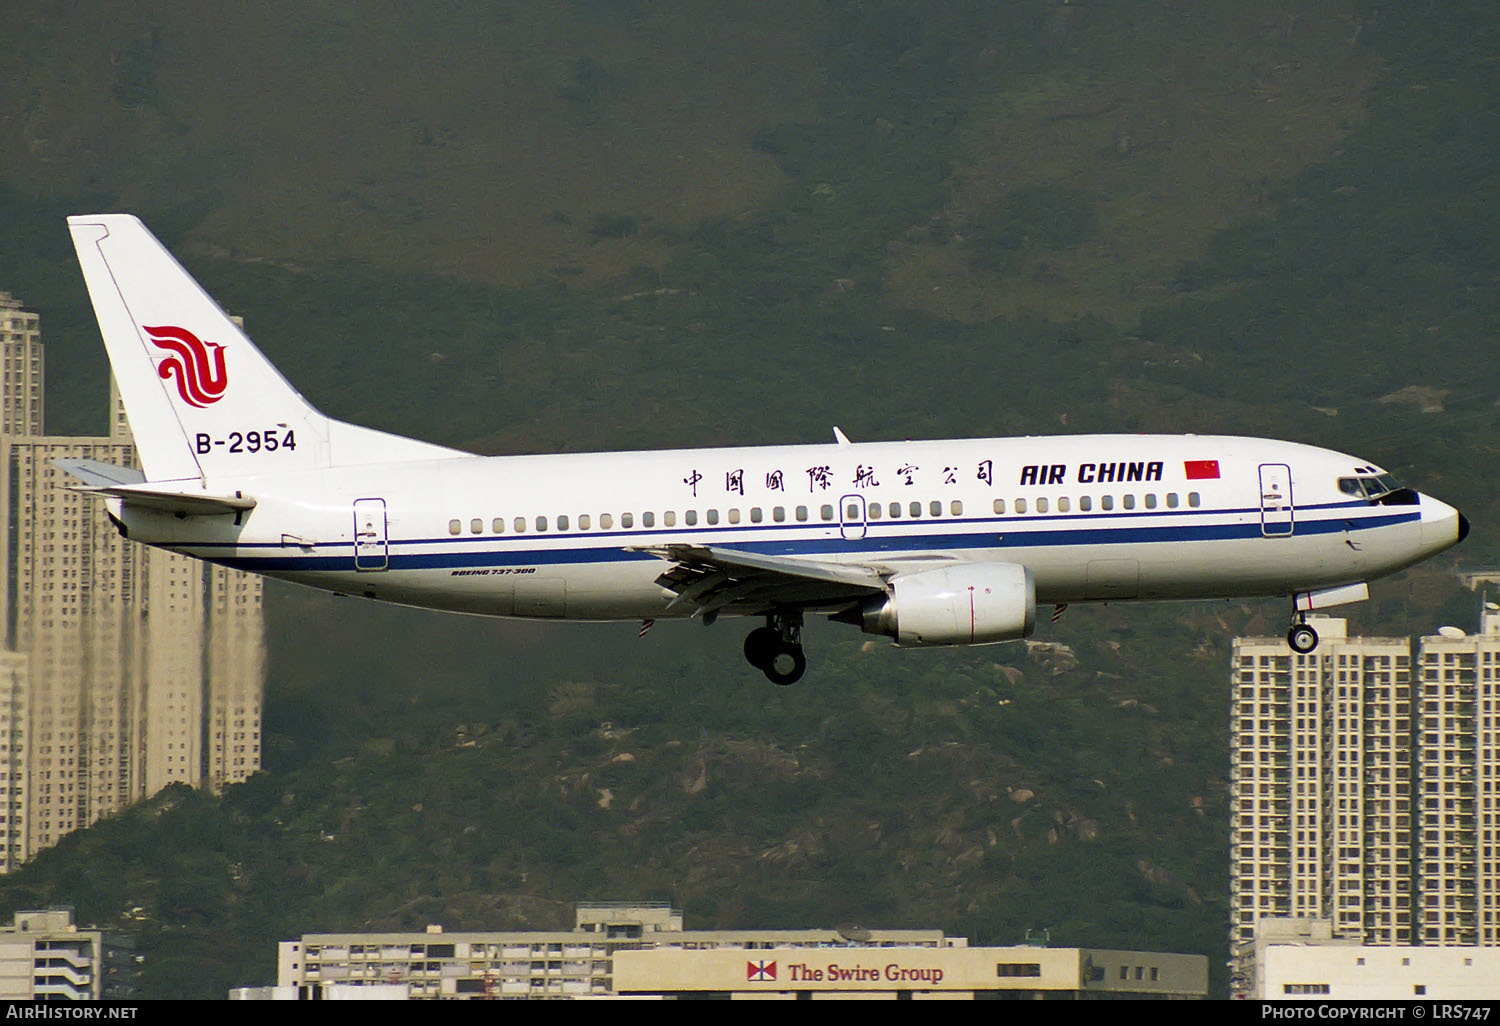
x=1124, y=535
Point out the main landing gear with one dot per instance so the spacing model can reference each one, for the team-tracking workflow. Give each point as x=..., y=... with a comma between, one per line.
x=1301, y=639
x=776, y=648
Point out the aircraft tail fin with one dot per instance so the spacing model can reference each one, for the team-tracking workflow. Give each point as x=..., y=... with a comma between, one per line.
x=203, y=402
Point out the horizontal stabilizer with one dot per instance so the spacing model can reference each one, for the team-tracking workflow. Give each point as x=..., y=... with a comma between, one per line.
x=188, y=504
x=129, y=486
x=97, y=474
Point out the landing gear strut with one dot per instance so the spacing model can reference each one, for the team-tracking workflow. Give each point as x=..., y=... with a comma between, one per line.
x=1301, y=639
x=776, y=648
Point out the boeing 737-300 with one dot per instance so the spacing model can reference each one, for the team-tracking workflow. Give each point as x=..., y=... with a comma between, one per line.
x=926, y=542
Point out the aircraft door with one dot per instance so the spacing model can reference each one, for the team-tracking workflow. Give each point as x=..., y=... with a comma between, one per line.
x=371, y=547
x=1276, y=511
x=852, y=516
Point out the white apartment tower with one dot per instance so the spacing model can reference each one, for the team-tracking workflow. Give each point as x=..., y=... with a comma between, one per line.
x=127, y=666
x=1458, y=786
x=1364, y=794
x=1320, y=771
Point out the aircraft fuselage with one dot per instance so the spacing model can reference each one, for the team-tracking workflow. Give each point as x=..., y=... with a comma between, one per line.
x=1094, y=518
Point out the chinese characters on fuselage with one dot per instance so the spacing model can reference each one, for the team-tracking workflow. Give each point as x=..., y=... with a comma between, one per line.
x=821, y=478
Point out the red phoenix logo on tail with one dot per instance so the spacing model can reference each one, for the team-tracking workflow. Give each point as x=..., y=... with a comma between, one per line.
x=197, y=365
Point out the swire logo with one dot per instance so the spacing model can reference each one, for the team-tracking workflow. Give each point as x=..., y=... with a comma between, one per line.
x=197, y=365
x=760, y=971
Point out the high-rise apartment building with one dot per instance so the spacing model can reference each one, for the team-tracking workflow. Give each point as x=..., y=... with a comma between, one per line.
x=129, y=668
x=1365, y=788
x=70, y=583
x=236, y=672
x=21, y=395
x=1320, y=772
x=1458, y=786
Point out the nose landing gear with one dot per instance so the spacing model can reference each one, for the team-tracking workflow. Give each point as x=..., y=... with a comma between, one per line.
x=1301, y=639
x=776, y=648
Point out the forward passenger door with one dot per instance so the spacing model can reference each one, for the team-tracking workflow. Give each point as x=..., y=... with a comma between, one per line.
x=1276, y=513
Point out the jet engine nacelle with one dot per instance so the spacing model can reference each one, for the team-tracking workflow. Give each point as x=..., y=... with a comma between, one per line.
x=967, y=604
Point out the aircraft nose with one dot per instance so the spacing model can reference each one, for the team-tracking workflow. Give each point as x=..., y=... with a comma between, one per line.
x=1442, y=525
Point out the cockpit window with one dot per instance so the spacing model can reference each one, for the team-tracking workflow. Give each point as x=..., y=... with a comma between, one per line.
x=1369, y=487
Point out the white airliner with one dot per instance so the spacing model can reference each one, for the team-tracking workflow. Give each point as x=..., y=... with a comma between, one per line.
x=929, y=543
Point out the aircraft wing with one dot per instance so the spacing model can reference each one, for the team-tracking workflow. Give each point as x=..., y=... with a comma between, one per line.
x=708, y=578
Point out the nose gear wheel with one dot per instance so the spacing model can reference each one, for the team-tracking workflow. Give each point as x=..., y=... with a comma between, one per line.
x=1301, y=638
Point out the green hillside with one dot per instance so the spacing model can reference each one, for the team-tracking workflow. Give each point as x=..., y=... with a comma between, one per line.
x=598, y=225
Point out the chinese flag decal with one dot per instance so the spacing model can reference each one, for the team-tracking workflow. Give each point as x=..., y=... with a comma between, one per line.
x=1201, y=470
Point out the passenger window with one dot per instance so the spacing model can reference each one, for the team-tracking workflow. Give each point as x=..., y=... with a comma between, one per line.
x=669, y=518
x=1062, y=503
x=1085, y=502
x=1106, y=502
x=999, y=505
x=584, y=520
x=734, y=516
x=827, y=512
x=1171, y=500
x=455, y=527
x=498, y=525
x=1150, y=500
x=520, y=525
x=648, y=519
x=712, y=516
x=779, y=514
x=756, y=515
x=935, y=508
x=690, y=517
x=541, y=523
x=1020, y=505
x=606, y=521
x=1194, y=500
x=562, y=523
x=1129, y=502
x=915, y=509
x=1041, y=505
x=476, y=526
x=956, y=507
x=874, y=511
x=801, y=514
x=627, y=519
x=895, y=510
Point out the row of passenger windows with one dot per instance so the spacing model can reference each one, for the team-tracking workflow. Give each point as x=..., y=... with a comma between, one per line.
x=1106, y=502
x=627, y=521
x=802, y=514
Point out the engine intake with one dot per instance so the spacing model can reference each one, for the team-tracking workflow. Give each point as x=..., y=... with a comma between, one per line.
x=968, y=604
